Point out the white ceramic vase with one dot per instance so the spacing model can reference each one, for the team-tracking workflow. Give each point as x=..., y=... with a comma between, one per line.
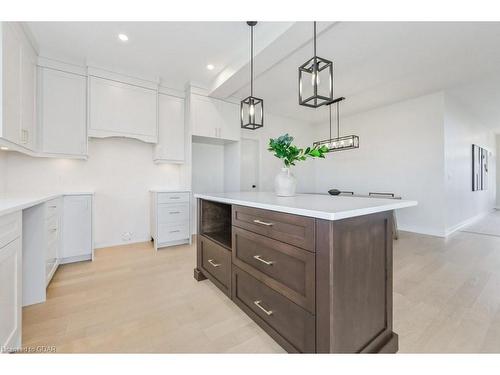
x=285, y=183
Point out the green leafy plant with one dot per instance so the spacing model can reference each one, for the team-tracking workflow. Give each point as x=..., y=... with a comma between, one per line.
x=284, y=149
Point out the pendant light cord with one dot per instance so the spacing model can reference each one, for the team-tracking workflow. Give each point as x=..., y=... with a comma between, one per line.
x=330, y=108
x=338, y=121
x=251, y=62
x=314, y=38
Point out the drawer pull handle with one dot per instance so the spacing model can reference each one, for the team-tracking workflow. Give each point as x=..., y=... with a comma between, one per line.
x=174, y=212
x=175, y=231
x=175, y=198
x=268, y=312
x=52, y=206
x=267, y=262
x=211, y=261
x=257, y=221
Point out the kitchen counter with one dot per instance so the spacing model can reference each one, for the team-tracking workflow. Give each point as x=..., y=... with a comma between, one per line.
x=319, y=206
x=314, y=271
x=15, y=202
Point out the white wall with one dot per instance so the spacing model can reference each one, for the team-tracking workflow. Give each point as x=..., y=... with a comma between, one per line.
x=401, y=151
x=207, y=168
x=3, y=171
x=120, y=171
x=419, y=149
x=269, y=167
x=498, y=174
x=462, y=130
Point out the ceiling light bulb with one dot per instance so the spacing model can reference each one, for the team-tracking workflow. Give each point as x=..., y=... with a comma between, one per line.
x=252, y=110
x=210, y=67
x=122, y=37
x=3, y=148
x=315, y=75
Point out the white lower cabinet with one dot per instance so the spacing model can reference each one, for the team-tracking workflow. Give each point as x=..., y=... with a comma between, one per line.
x=53, y=209
x=77, y=243
x=10, y=282
x=170, y=218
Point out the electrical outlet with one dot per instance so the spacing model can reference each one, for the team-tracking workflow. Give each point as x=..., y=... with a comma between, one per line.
x=127, y=236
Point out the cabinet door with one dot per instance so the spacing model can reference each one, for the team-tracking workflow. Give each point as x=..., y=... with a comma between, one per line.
x=10, y=296
x=171, y=140
x=77, y=226
x=122, y=110
x=63, y=114
x=230, y=127
x=28, y=94
x=206, y=116
x=11, y=74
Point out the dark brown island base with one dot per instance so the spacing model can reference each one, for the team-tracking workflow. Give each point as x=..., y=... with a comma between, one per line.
x=314, y=285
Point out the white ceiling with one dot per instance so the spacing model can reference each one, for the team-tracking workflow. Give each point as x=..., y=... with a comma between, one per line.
x=178, y=52
x=376, y=63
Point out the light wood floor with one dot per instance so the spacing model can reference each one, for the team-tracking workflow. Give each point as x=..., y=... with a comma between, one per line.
x=131, y=299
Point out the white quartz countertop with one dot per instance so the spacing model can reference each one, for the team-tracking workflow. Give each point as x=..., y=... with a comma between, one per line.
x=320, y=206
x=170, y=191
x=15, y=202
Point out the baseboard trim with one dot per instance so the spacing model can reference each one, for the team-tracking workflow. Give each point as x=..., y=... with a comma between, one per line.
x=469, y=221
x=79, y=258
x=426, y=232
x=447, y=232
x=121, y=243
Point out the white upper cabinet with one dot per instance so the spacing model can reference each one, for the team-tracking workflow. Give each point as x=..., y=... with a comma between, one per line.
x=214, y=118
x=120, y=109
x=171, y=138
x=28, y=96
x=231, y=126
x=19, y=86
x=63, y=112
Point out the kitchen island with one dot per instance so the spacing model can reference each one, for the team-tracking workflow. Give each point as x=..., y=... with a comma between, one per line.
x=314, y=271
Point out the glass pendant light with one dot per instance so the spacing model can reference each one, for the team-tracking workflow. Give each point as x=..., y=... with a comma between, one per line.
x=252, y=108
x=347, y=142
x=315, y=80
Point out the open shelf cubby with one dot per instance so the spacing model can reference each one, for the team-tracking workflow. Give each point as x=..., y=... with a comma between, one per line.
x=215, y=222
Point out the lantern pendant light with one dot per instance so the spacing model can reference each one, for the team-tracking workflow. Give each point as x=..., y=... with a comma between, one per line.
x=252, y=108
x=315, y=80
x=347, y=142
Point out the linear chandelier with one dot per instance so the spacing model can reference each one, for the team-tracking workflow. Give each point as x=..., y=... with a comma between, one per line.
x=339, y=143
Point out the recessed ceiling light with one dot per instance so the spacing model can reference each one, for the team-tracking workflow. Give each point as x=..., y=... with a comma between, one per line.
x=122, y=37
x=3, y=148
x=210, y=67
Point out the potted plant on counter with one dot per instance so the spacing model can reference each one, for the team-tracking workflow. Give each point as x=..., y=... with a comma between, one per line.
x=285, y=182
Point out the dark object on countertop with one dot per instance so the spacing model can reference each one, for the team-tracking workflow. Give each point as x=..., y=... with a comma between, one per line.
x=334, y=192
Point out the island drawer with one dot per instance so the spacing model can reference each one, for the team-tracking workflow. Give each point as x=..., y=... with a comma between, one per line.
x=292, y=229
x=215, y=262
x=283, y=267
x=290, y=325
